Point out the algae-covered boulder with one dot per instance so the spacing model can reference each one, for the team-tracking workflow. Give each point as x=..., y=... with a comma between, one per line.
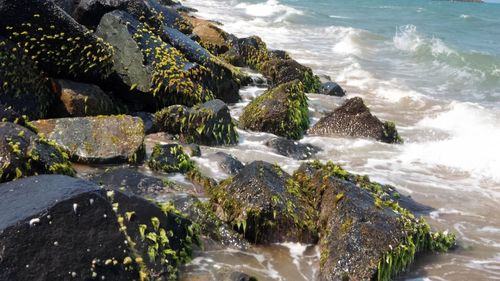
x=215, y=233
x=7, y=114
x=101, y=139
x=112, y=235
x=90, y=12
x=79, y=100
x=23, y=153
x=282, y=110
x=170, y=158
x=252, y=51
x=366, y=233
x=279, y=71
x=24, y=89
x=57, y=43
x=148, y=72
x=132, y=181
x=207, y=124
x=259, y=204
x=354, y=119
x=292, y=149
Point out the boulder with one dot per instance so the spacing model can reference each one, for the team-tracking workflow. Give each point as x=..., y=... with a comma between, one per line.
x=56, y=42
x=282, y=111
x=215, y=233
x=211, y=37
x=102, y=139
x=170, y=158
x=279, y=71
x=258, y=204
x=80, y=100
x=331, y=89
x=292, y=149
x=149, y=73
x=221, y=80
x=149, y=121
x=23, y=153
x=207, y=124
x=7, y=114
x=62, y=228
x=226, y=162
x=132, y=181
x=365, y=233
x=252, y=51
x=90, y=12
x=278, y=54
x=354, y=119
x=24, y=89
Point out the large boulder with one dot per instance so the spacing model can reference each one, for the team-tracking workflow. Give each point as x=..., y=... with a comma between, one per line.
x=354, y=119
x=279, y=71
x=23, y=153
x=330, y=88
x=24, y=89
x=292, y=149
x=365, y=231
x=259, y=204
x=209, y=35
x=111, y=235
x=207, y=124
x=250, y=51
x=170, y=158
x=57, y=43
x=79, y=100
x=148, y=72
x=102, y=139
x=282, y=110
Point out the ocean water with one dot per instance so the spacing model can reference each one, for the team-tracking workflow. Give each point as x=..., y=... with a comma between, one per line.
x=433, y=67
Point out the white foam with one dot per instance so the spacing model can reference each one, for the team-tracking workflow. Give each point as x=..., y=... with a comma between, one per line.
x=407, y=38
x=271, y=8
x=472, y=145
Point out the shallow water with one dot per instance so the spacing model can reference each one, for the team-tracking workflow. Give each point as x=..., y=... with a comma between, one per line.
x=433, y=67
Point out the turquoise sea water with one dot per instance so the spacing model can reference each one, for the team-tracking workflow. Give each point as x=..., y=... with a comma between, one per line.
x=433, y=67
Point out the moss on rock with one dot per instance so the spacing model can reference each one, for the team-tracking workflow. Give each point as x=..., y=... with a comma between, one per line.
x=282, y=110
x=170, y=158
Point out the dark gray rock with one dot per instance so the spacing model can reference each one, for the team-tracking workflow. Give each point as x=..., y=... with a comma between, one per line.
x=279, y=71
x=170, y=158
x=258, y=204
x=102, y=139
x=149, y=121
x=79, y=100
x=227, y=163
x=7, y=114
x=292, y=149
x=59, y=45
x=207, y=124
x=149, y=73
x=23, y=153
x=354, y=119
x=332, y=89
x=24, y=88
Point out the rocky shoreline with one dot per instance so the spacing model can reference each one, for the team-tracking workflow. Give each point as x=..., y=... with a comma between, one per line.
x=142, y=83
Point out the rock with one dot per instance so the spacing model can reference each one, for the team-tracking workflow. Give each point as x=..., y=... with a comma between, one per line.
x=365, y=234
x=354, y=119
x=331, y=89
x=279, y=71
x=149, y=73
x=42, y=217
x=210, y=36
x=90, y=12
x=282, y=111
x=23, y=153
x=80, y=100
x=292, y=149
x=170, y=158
x=24, y=89
x=112, y=235
x=149, y=121
x=57, y=43
x=132, y=181
x=252, y=51
x=215, y=233
x=279, y=54
x=102, y=139
x=206, y=124
x=227, y=163
x=224, y=84
x=258, y=204
x=7, y=114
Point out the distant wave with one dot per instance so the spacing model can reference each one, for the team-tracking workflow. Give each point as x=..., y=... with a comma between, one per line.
x=271, y=8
